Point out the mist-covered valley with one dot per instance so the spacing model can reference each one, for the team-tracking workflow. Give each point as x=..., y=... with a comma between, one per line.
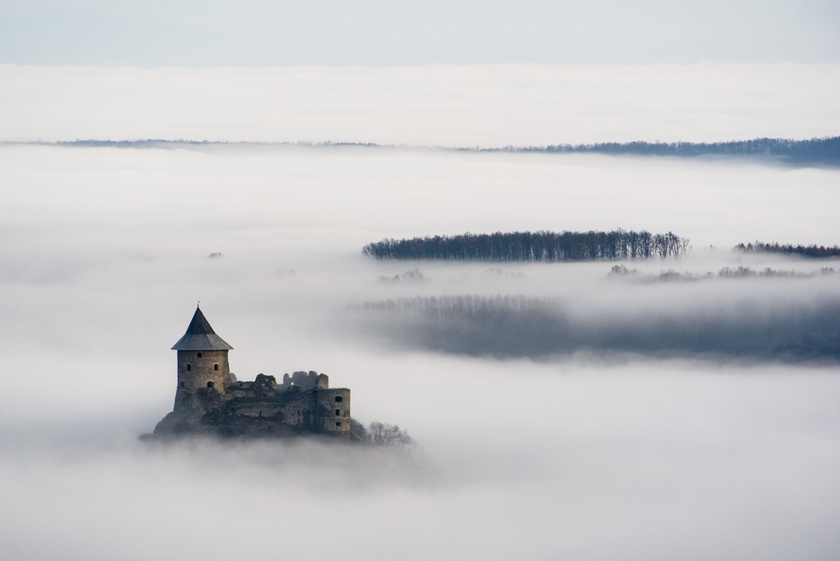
x=580, y=444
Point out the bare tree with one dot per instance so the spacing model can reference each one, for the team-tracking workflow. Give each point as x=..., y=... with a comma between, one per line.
x=383, y=434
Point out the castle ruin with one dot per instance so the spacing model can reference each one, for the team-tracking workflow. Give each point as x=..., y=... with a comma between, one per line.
x=210, y=400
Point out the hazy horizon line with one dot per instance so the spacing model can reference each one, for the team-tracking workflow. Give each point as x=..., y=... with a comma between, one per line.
x=760, y=152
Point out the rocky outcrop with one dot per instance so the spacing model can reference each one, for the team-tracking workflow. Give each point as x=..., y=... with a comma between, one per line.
x=219, y=423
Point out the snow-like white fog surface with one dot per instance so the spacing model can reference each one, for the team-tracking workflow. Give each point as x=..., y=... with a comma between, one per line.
x=104, y=252
x=643, y=461
x=489, y=105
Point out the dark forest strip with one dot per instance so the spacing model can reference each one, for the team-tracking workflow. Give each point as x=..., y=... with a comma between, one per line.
x=534, y=246
x=813, y=251
x=814, y=151
x=508, y=326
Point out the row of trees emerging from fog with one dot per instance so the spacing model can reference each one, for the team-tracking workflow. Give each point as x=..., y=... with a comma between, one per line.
x=511, y=326
x=816, y=150
x=819, y=252
x=534, y=246
x=813, y=151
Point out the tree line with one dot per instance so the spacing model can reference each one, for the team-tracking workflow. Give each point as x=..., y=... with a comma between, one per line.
x=824, y=150
x=816, y=150
x=534, y=246
x=786, y=329
x=741, y=272
x=818, y=252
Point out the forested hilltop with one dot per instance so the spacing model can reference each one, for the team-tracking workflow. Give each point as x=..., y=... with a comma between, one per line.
x=814, y=151
x=534, y=246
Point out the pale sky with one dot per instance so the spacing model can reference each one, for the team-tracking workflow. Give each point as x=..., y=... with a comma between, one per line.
x=191, y=33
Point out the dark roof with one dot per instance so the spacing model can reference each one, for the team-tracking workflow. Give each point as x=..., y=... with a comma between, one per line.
x=200, y=336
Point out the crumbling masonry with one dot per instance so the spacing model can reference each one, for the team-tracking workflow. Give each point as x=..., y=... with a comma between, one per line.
x=210, y=400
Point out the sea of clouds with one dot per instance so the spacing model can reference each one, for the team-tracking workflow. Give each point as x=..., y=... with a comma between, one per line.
x=491, y=105
x=586, y=454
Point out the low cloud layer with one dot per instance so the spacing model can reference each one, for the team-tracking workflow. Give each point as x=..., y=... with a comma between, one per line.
x=487, y=106
x=104, y=253
x=644, y=460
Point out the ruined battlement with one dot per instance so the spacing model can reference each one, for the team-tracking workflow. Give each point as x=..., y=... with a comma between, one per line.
x=210, y=400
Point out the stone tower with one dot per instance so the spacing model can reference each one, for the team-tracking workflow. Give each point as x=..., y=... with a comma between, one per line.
x=202, y=362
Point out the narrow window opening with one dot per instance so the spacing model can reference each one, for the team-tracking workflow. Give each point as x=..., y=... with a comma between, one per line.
x=198, y=355
x=189, y=367
x=338, y=412
x=209, y=384
x=338, y=399
x=215, y=367
x=338, y=423
x=182, y=384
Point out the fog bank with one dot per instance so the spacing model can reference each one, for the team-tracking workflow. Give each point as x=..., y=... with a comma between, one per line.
x=589, y=455
x=487, y=105
x=511, y=326
x=640, y=461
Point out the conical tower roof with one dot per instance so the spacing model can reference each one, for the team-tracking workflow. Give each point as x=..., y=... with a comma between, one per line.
x=200, y=336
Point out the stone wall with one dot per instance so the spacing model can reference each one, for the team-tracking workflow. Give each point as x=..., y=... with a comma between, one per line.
x=313, y=410
x=201, y=370
x=304, y=402
x=305, y=380
x=333, y=413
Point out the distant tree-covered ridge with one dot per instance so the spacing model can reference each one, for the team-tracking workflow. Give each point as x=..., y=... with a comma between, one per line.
x=818, y=252
x=533, y=246
x=816, y=150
